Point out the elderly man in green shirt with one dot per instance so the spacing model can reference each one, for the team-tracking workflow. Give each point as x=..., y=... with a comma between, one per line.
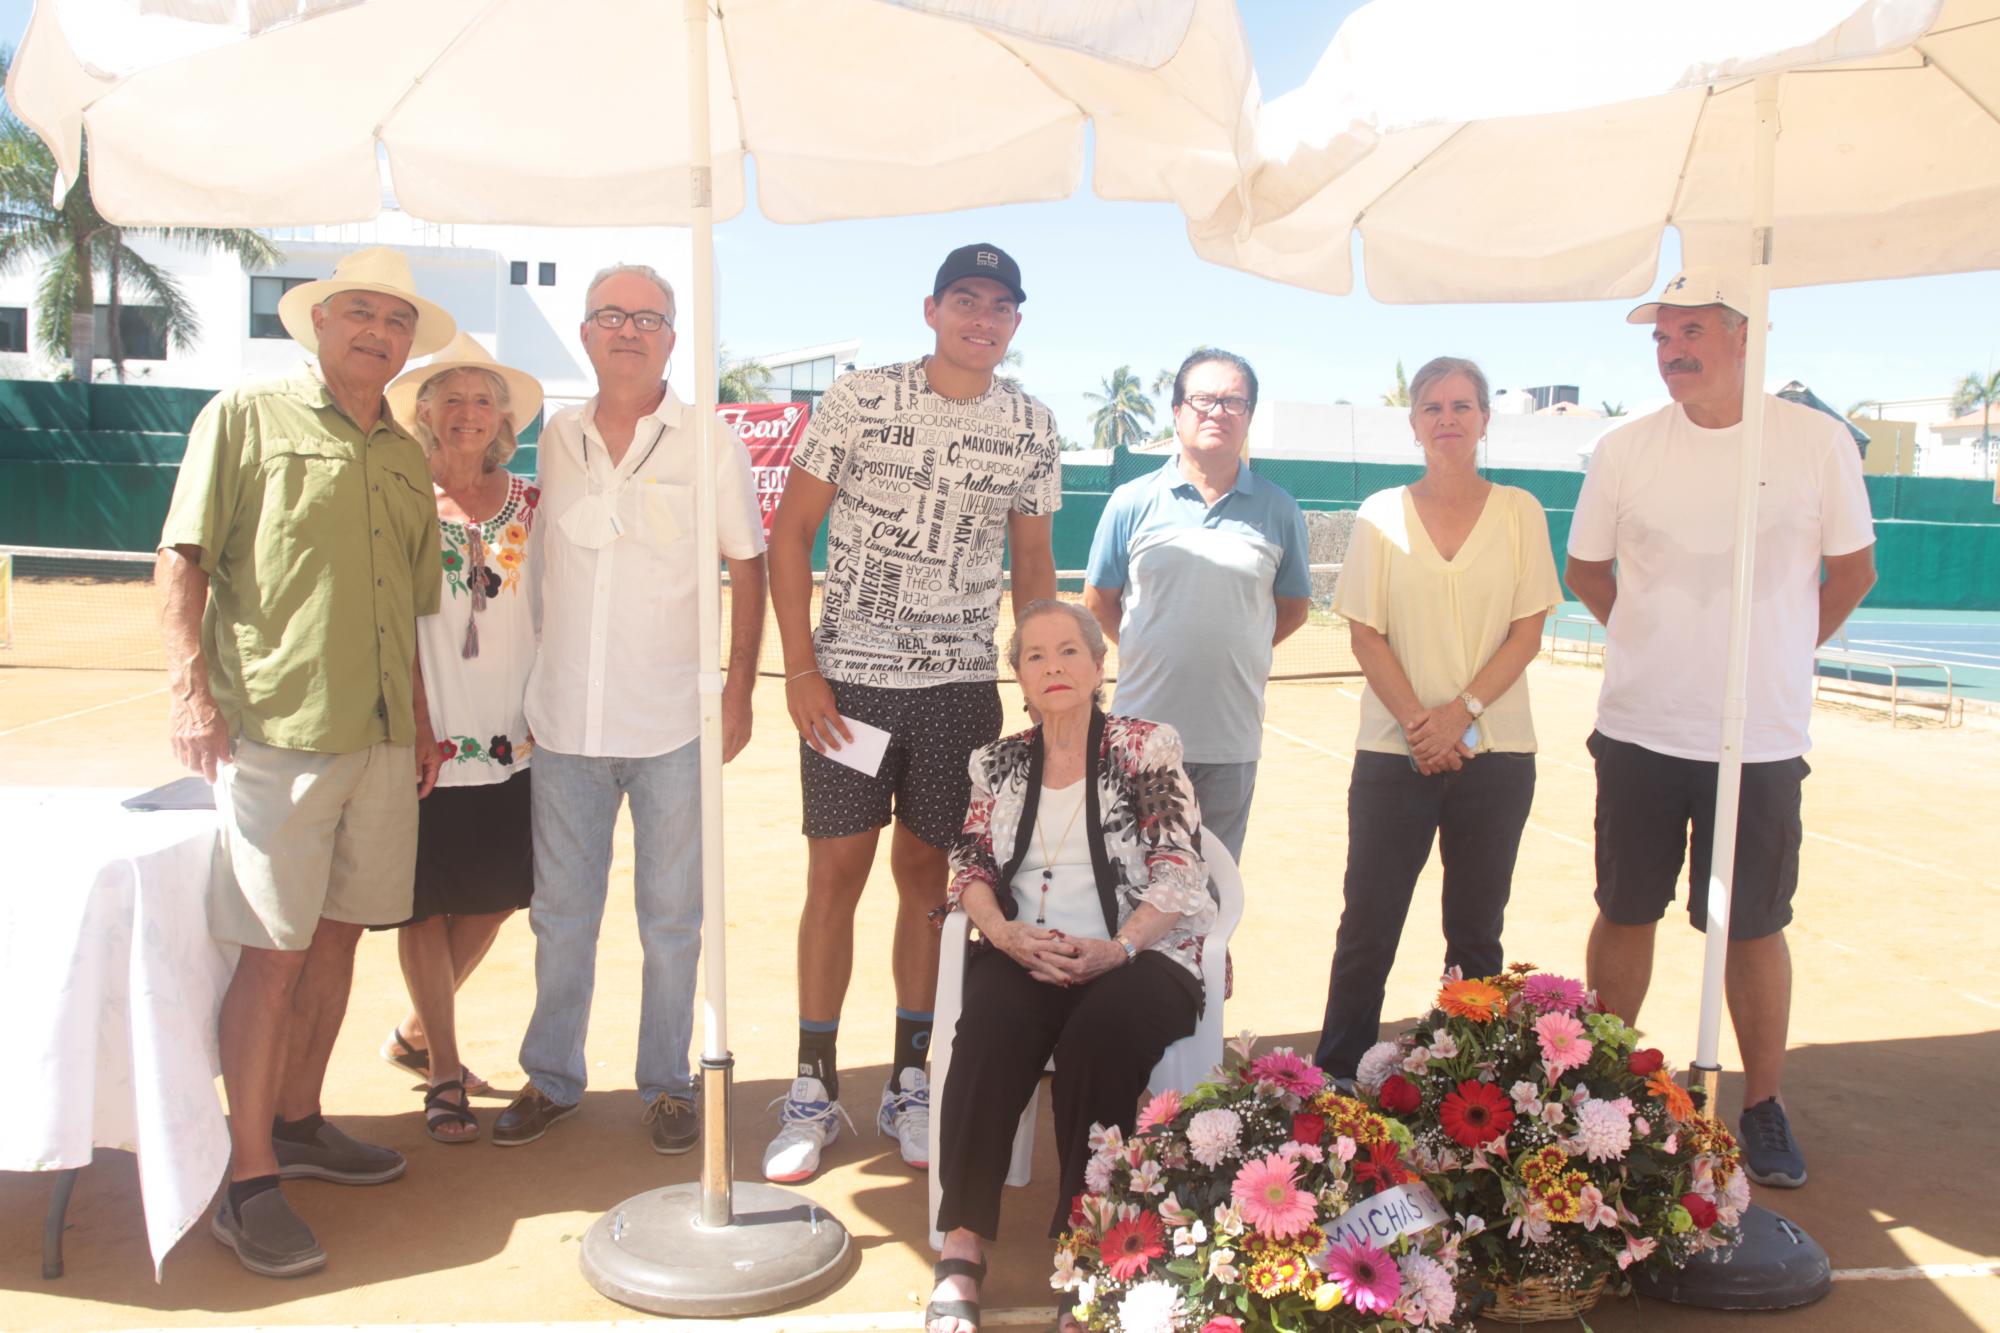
x=299, y=550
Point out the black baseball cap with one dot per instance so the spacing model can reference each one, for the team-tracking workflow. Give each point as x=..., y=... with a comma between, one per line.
x=981, y=260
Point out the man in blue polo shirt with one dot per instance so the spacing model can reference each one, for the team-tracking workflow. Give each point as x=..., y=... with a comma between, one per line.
x=1197, y=572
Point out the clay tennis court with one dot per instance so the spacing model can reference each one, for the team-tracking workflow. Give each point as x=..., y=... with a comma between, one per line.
x=1891, y=1082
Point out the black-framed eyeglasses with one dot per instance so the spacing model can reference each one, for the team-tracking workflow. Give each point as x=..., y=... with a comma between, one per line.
x=1205, y=403
x=646, y=321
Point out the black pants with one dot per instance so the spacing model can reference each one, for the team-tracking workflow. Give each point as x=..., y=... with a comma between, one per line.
x=1393, y=812
x=1106, y=1037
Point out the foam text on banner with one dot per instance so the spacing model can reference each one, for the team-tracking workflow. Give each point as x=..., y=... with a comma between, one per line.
x=770, y=431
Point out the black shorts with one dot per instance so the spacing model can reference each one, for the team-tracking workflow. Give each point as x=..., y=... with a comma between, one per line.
x=1654, y=809
x=933, y=731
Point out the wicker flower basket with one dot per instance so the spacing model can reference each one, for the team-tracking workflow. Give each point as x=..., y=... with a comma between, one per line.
x=1537, y=1300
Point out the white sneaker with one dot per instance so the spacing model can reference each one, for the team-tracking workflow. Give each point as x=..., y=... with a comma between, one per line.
x=905, y=1115
x=811, y=1120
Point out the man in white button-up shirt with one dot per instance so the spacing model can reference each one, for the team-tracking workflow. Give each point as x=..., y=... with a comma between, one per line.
x=612, y=700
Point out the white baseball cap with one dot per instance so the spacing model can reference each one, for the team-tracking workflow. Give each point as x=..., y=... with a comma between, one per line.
x=1695, y=287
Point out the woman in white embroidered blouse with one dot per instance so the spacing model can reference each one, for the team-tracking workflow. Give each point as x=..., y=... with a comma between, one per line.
x=475, y=861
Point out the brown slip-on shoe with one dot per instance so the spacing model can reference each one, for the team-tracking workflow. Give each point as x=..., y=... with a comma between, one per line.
x=269, y=1238
x=528, y=1117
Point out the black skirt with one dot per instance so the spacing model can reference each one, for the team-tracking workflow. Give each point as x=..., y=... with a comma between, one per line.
x=475, y=850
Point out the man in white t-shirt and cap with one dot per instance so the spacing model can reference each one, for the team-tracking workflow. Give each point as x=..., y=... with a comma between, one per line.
x=1654, y=505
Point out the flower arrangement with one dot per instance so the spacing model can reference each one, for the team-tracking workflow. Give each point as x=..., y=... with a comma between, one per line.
x=1263, y=1200
x=1565, y=1153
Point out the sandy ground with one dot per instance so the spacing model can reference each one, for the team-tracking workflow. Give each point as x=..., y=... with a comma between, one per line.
x=1891, y=1079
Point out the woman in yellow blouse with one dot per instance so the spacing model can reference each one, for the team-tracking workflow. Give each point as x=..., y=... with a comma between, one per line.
x=1445, y=588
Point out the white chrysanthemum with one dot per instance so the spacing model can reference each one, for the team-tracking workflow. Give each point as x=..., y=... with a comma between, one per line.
x=1430, y=1287
x=1377, y=1063
x=1212, y=1135
x=1150, y=1307
x=1603, y=1131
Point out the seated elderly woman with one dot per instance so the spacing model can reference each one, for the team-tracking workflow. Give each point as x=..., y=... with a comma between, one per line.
x=1080, y=866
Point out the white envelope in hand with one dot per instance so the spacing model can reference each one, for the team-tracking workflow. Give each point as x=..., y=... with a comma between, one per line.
x=863, y=753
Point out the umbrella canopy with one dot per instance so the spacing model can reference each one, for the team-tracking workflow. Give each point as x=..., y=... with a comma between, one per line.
x=1540, y=153
x=552, y=112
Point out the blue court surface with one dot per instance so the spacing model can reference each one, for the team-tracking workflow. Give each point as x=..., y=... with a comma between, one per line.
x=1967, y=641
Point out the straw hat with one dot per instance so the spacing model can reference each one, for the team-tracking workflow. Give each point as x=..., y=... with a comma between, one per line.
x=524, y=391
x=376, y=269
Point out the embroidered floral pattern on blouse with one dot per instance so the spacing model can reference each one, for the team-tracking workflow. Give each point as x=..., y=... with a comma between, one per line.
x=505, y=537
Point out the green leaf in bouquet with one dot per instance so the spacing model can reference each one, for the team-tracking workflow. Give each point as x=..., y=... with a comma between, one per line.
x=1187, y=1268
x=1641, y=1165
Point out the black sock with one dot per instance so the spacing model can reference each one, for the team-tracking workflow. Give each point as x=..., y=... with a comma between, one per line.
x=816, y=1057
x=242, y=1191
x=913, y=1042
x=297, y=1131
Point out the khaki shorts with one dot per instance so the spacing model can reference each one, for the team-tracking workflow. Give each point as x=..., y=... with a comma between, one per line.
x=307, y=835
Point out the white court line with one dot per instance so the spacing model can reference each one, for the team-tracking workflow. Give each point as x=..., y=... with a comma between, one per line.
x=94, y=708
x=893, y=1321
x=1924, y=866
x=1348, y=758
x=1922, y=1272
x=1952, y=656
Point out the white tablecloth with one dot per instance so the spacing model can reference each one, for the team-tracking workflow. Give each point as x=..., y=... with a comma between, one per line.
x=111, y=988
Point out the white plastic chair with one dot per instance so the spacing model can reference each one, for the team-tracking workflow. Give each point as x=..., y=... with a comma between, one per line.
x=1182, y=1066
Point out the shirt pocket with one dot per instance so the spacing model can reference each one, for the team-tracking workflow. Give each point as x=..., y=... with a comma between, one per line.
x=667, y=511
x=304, y=480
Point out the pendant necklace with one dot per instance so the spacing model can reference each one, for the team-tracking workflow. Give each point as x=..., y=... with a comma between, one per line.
x=1048, y=862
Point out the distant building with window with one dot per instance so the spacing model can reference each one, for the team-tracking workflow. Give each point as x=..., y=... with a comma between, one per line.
x=802, y=375
x=519, y=290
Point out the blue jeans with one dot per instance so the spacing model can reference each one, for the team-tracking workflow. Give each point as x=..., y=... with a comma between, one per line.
x=1475, y=815
x=576, y=802
x=1223, y=792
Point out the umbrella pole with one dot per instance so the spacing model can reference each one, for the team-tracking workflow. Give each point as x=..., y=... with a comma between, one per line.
x=1775, y=1264
x=686, y=1250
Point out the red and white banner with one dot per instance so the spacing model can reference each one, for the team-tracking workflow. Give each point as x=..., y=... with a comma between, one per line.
x=770, y=431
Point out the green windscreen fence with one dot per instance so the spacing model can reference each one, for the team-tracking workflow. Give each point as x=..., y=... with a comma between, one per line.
x=93, y=468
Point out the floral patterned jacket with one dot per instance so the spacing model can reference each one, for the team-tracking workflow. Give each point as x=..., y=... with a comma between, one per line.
x=1147, y=843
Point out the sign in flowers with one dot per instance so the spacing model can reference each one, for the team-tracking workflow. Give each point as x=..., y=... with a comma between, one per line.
x=1263, y=1200
x=1564, y=1151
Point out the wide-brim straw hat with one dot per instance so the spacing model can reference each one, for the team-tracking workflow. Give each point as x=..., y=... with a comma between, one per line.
x=524, y=391
x=376, y=269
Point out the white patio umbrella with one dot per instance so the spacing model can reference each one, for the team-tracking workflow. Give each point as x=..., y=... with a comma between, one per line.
x=1538, y=151
x=620, y=112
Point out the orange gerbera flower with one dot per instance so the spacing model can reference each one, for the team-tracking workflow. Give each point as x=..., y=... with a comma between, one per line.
x=1476, y=1001
x=1680, y=1106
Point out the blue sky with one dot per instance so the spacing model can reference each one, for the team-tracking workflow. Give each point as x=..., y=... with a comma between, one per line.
x=1115, y=284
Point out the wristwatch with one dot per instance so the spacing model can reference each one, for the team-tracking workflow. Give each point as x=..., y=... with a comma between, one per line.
x=1472, y=705
x=1131, y=954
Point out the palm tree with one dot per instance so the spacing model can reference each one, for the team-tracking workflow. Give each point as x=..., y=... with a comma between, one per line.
x=1982, y=393
x=1611, y=409
x=740, y=381
x=1122, y=406
x=1400, y=395
x=74, y=242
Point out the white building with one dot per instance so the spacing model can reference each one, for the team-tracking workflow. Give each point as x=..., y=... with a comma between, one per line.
x=519, y=290
x=1963, y=447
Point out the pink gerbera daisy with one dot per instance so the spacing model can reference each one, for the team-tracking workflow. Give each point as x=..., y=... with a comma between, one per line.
x=1160, y=1110
x=1550, y=994
x=1285, y=1069
x=1369, y=1276
x=1563, y=1044
x=1271, y=1201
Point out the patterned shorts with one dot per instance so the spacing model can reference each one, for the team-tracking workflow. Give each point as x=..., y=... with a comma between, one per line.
x=933, y=731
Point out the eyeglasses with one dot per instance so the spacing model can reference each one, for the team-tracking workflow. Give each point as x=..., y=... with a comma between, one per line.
x=1205, y=403
x=646, y=321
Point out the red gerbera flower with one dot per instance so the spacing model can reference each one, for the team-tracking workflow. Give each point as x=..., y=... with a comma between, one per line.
x=1383, y=1166
x=1476, y=1113
x=1128, y=1247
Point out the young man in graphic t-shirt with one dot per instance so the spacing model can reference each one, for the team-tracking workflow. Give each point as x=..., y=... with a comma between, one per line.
x=925, y=473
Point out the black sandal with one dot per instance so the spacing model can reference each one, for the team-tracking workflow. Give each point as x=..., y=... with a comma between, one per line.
x=398, y=1052
x=965, y=1310
x=440, y=1110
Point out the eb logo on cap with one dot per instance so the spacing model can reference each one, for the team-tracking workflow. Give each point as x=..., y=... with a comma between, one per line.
x=987, y=259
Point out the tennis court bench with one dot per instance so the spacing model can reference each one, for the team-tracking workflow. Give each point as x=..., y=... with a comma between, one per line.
x=1891, y=666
